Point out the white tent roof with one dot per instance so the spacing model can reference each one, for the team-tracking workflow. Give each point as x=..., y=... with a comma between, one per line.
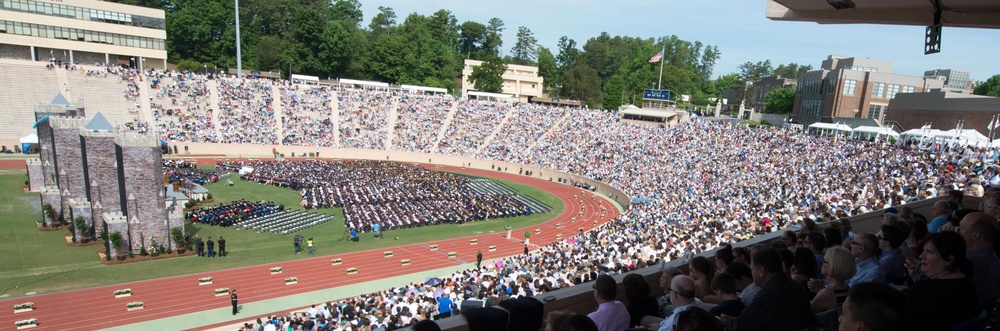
x=877, y=130
x=30, y=139
x=830, y=126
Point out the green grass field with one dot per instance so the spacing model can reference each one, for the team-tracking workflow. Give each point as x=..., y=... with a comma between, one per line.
x=40, y=261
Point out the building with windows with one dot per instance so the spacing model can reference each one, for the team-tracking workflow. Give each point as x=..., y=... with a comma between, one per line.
x=943, y=110
x=522, y=82
x=955, y=81
x=83, y=31
x=848, y=87
x=758, y=90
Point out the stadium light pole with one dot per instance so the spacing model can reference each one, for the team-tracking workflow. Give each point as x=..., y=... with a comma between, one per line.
x=239, y=60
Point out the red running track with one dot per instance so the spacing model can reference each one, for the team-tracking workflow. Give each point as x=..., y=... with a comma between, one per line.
x=96, y=308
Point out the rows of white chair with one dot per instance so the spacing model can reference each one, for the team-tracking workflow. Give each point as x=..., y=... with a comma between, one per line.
x=285, y=222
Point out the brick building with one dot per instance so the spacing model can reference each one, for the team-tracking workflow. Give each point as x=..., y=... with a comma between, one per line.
x=942, y=110
x=848, y=87
x=113, y=179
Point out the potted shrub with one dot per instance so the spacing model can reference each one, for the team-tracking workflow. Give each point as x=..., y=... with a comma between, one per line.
x=116, y=244
x=123, y=293
x=178, y=236
x=275, y=270
x=291, y=280
x=135, y=305
x=527, y=237
x=49, y=213
x=26, y=324
x=80, y=225
x=24, y=307
x=221, y=291
x=204, y=280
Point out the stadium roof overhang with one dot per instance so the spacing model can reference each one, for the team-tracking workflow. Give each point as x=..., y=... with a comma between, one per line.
x=954, y=13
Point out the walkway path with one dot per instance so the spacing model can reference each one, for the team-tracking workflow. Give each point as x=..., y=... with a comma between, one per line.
x=179, y=302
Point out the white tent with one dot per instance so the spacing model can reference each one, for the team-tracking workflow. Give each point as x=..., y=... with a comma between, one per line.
x=870, y=131
x=29, y=139
x=828, y=128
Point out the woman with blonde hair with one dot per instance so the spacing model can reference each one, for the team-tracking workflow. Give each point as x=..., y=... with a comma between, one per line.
x=838, y=266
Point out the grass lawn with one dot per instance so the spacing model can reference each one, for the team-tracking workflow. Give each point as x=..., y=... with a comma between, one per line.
x=40, y=261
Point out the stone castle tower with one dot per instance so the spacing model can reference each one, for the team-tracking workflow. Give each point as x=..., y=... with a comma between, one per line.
x=112, y=178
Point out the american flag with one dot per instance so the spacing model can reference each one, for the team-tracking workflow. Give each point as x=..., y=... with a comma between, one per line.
x=657, y=57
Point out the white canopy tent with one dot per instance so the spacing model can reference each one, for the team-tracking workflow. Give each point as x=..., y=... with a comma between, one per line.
x=29, y=139
x=928, y=138
x=829, y=128
x=867, y=132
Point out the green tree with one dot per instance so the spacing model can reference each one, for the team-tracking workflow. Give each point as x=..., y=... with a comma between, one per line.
x=750, y=71
x=582, y=82
x=567, y=53
x=614, y=93
x=780, y=101
x=525, y=49
x=791, y=70
x=494, y=37
x=488, y=77
x=990, y=87
x=726, y=82
x=472, y=39
x=383, y=22
x=547, y=66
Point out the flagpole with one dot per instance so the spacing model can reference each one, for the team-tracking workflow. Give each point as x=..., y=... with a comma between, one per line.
x=661, y=66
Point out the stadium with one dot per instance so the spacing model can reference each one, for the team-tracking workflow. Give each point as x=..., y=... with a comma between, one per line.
x=583, y=192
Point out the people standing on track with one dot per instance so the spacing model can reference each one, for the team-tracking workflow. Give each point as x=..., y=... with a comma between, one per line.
x=297, y=243
x=234, y=299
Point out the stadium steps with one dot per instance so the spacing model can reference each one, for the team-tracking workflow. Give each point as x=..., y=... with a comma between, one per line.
x=22, y=84
x=444, y=126
x=335, y=118
x=104, y=95
x=213, y=99
x=145, y=109
x=390, y=123
x=279, y=112
x=555, y=126
x=496, y=130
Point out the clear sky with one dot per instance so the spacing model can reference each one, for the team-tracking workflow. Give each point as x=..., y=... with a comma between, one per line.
x=737, y=27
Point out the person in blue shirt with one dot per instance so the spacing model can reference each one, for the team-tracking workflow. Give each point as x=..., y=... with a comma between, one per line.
x=863, y=248
x=378, y=231
x=941, y=212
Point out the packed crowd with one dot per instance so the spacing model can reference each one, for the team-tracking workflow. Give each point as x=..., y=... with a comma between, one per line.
x=473, y=122
x=182, y=107
x=176, y=170
x=306, y=115
x=232, y=213
x=364, y=116
x=389, y=194
x=246, y=114
x=420, y=119
x=523, y=128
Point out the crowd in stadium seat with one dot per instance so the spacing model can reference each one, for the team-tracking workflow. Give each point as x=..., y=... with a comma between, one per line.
x=306, y=115
x=390, y=194
x=246, y=113
x=420, y=119
x=704, y=185
x=181, y=107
